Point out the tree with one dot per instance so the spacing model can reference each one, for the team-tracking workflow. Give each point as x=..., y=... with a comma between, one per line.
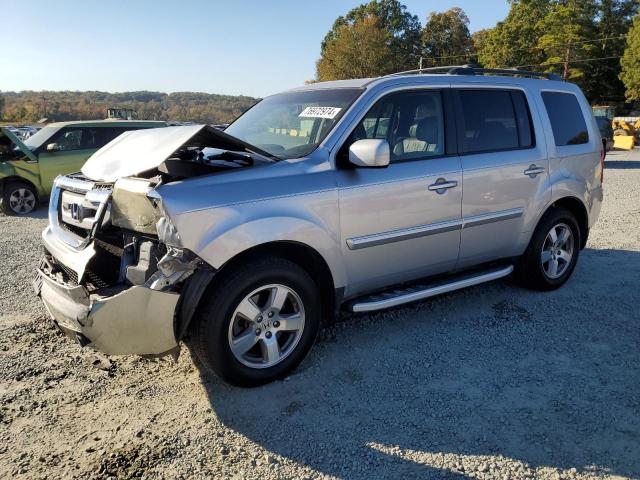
x=568, y=26
x=356, y=51
x=1, y=106
x=446, y=39
x=27, y=106
x=513, y=41
x=630, y=62
x=479, y=39
x=613, y=20
x=401, y=28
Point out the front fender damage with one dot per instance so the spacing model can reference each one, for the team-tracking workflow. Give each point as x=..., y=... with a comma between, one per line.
x=139, y=292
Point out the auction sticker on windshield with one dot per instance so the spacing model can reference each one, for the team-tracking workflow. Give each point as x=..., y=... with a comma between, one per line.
x=320, y=112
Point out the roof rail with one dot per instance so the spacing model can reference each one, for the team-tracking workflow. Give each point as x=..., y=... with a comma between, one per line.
x=475, y=70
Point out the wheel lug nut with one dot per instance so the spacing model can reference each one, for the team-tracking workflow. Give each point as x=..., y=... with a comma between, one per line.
x=258, y=331
x=270, y=314
x=276, y=324
x=259, y=319
x=267, y=334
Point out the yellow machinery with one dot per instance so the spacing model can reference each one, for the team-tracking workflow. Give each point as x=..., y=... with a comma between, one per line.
x=625, y=132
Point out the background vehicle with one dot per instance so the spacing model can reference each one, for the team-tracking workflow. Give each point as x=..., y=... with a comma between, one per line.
x=606, y=131
x=343, y=194
x=27, y=168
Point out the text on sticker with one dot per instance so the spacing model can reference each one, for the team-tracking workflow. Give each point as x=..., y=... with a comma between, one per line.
x=320, y=112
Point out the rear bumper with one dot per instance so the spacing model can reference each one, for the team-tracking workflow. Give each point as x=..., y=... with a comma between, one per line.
x=136, y=320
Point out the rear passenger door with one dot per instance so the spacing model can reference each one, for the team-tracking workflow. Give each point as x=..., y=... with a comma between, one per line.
x=505, y=172
x=396, y=224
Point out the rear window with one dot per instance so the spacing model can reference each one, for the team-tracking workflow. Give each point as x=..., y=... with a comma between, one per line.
x=567, y=121
x=493, y=120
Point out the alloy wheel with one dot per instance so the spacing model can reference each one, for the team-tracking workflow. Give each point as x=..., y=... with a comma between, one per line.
x=557, y=251
x=266, y=326
x=22, y=200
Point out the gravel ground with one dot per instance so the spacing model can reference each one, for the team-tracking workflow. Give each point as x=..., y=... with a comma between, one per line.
x=490, y=382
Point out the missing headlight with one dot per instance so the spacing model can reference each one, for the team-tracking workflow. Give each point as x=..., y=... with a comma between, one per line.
x=132, y=209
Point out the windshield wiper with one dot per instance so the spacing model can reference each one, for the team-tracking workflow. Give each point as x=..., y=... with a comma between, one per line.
x=232, y=156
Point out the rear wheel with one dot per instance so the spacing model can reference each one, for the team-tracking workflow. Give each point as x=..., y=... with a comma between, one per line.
x=18, y=198
x=258, y=323
x=553, y=251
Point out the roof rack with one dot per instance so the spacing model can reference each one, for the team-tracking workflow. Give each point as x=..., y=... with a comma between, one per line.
x=475, y=70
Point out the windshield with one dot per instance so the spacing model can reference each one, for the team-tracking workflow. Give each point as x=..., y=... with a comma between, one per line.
x=292, y=125
x=41, y=136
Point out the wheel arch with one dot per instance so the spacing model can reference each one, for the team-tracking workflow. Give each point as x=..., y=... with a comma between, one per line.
x=15, y=178
x=579, y=210
x=301, y=254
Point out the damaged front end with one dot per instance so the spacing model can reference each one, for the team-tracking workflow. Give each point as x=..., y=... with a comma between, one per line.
x=115, y=274
x=107, y=277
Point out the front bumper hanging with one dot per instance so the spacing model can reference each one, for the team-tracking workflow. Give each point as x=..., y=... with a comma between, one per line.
x=137, y=320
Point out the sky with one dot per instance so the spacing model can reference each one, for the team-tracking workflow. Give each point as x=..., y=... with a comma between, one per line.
x=237, y=47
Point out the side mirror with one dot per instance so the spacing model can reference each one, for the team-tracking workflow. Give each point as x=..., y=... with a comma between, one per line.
x=370, y=153
x=53, y=147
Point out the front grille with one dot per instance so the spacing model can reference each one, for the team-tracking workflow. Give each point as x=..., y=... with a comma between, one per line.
x=94, y=281
x=58, y=272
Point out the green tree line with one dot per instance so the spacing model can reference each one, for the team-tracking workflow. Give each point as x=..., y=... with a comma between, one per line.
x=29, y=106
x=581, y=40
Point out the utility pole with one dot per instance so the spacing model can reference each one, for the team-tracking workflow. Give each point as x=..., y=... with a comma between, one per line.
x=565, y=73
x=420, y=64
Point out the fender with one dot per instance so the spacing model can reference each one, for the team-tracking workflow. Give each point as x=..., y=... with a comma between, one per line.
x=22, y=171
x=219, y=234
x=566, y=188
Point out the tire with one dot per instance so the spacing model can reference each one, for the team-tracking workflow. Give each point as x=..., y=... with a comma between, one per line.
x=18, y=198
x=235, y=311
x=536, y=273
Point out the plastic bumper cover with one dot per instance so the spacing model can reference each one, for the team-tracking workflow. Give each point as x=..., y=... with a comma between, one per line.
x=137, y=320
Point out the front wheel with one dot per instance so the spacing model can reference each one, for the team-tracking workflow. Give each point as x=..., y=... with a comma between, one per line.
x=18, y=198
x=258, y=322
x=552, y=253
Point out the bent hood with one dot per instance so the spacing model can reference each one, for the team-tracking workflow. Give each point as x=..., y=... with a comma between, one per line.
x=18, y=143
x=140, y=150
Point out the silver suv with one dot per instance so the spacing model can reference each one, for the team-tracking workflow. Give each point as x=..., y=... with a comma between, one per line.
x=357, y=195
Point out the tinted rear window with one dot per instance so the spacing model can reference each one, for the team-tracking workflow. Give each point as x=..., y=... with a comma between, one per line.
x=567, y=121
x=493, y=120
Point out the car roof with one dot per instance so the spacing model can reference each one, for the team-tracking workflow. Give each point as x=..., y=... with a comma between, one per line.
x=106, y=123
x=430, y=78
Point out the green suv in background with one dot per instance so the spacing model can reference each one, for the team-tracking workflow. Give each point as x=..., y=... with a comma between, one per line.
x=27, y=168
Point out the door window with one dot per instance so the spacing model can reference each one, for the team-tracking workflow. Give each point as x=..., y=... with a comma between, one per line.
x=106, y=134
x=76, y=139
x=492, y=120
x=412, y=123
x=567, y=121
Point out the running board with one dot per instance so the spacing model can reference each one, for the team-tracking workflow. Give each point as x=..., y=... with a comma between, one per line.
x=420, y=292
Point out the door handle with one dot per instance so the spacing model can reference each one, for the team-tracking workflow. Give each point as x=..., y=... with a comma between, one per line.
x=533, y=170
x=442, y=185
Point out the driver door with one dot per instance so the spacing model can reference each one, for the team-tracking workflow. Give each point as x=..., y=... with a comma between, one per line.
x=396, y=225
x=74, y=145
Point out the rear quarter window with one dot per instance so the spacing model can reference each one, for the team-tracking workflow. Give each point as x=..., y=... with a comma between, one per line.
x=567, y=120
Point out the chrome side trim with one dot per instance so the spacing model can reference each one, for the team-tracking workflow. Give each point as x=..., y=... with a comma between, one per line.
x=432, y=291
x=392, y=236
x=485, y=218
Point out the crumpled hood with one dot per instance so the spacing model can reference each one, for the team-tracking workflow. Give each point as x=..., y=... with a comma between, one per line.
x=140, y=150
x=18, y=143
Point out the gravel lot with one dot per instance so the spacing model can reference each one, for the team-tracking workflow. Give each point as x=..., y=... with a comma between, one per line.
x=490, y=382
